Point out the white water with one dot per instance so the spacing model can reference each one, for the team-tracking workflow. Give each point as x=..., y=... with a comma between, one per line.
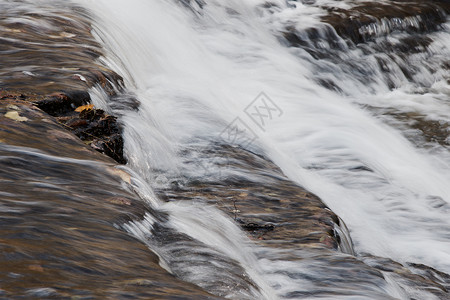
x=194, y=73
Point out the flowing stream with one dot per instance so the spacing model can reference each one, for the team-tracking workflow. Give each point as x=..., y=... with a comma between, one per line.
x=340, y=125
x=194, y=71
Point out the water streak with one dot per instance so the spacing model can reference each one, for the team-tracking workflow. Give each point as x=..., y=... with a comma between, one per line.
x=194, y=73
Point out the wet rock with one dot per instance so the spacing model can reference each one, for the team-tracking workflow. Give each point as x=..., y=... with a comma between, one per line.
x=59, y=104
x=272, y=209
x=254, y=228
x=101, y=131
x=441, y=278
x=50, y=48
x=412, y=278
x=322, y=273
x=61, y=205
x=369, y=39
x=11, y=95
x=111, y=146
x=421, y=131
x=363, y=22
x=50, y=56
x=39, y=125
x=72, y=109
x=278, y=213
x=367, y=20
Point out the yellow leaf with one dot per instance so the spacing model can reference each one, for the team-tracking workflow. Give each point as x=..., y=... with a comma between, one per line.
x=14, y=115
x=83, y=107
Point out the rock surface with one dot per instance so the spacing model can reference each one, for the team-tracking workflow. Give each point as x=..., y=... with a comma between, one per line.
x=60, y=202
x=367, y=20
x=300, y=228
x=50, y=48
x=271, y=208
x=93, y=126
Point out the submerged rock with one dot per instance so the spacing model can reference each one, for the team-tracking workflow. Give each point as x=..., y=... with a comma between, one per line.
x=368, y=20
x=274, y=210
x=302, y=231
x=364, y=22
x=50, y=48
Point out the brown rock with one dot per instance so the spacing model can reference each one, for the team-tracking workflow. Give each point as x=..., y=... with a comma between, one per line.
x=60, y=204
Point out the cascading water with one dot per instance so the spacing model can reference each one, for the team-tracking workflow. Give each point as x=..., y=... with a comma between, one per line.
x=195, y=71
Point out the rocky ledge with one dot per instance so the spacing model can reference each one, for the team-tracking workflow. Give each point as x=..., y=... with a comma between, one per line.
x=73, y=110
x=368, y=20
x=60, y=202
x=364, y=21
x=270, y=207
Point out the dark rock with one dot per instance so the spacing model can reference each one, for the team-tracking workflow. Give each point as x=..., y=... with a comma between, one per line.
x=7, y=94
x=100, y=130
x=372, y=19
x=94, y=126
x=74, y=123
x=124, y=101
x=256, y=229
x=111, y=146
x=59, y=104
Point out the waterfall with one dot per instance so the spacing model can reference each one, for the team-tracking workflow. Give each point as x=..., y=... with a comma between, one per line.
x=331, y=124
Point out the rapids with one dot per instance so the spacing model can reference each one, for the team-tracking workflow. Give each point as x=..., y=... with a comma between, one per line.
x=349, y=122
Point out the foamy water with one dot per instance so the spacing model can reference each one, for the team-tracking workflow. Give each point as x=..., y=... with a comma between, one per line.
x=196, y=71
